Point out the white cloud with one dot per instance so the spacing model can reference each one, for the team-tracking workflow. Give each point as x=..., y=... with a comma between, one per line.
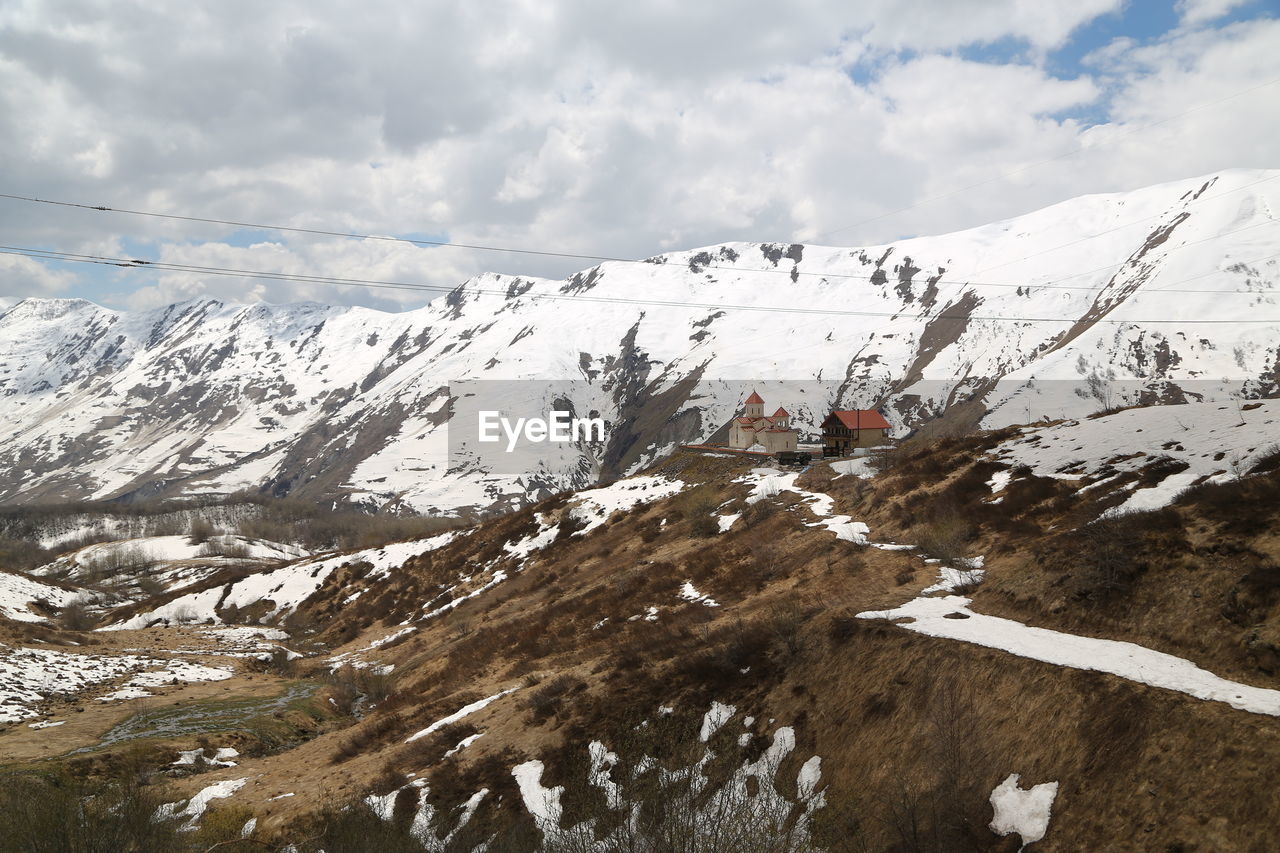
x=1195, y=12
x=23, y=276
x=581, y=127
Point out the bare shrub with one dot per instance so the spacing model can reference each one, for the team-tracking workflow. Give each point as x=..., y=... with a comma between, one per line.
x=119, y=560
x=677, y=802
x=150, y=586
x=224, y=546
x=546, y=700
x=374, y=731
x=371, y=684
x=47, y=813
x=945, y=536
x=699, y=506
x=184, y=615
x=784, y=622
x=74, y=617
x=280, y=662
x=843, y=627
x=199, y=530
x=766, y=564
x=1110, y=557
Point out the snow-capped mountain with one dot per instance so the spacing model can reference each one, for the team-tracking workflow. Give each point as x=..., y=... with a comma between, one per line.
x=1165, y=294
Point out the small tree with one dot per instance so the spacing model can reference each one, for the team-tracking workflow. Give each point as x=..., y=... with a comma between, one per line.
x=199, y=531
x=1100, y=387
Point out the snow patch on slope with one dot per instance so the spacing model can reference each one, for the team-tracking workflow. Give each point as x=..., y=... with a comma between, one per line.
x=950, y=617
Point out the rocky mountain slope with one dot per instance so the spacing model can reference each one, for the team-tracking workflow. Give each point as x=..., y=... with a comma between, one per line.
x=1102, y=300
x=1067, y=631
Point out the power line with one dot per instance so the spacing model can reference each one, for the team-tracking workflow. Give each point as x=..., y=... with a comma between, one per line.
x=136, y=264
x=258, y=226
x=1050, y=283
x=1037, y=164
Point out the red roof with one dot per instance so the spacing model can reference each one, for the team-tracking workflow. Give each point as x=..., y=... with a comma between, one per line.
x=755, y=398
x=781, y=413
x=861, y=419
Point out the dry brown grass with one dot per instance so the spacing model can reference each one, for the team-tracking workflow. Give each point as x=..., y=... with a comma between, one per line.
x=879, y=704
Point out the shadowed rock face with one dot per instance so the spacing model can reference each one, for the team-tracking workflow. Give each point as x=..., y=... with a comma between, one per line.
x=1015, y=321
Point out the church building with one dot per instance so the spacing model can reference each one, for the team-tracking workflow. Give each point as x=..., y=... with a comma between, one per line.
x=754, y=430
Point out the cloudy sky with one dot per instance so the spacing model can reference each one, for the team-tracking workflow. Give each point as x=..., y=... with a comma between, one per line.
x=587, y=127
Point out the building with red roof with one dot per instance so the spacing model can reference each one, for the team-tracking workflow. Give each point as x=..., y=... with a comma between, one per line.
x=753, y=429
x=845, y=429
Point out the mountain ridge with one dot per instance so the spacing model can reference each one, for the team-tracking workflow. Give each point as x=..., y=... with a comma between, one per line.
x=347, y=405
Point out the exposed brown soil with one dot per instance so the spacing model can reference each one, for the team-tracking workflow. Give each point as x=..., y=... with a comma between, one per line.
x=887, y=710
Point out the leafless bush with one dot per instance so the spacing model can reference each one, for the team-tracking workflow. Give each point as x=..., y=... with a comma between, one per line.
x=150, y=586
x=546, y=700
x=112, y=562
x=199, y=531
x=224, y=546
x=945, y=536
x=784, y=622
x=47, y=813
x=699, y=506
x=74, y=617
x=1109, y=553
x=374, y=685
x=624, y=801
x=280, y=662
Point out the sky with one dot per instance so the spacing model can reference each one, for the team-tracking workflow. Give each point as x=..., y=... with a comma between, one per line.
x=622, y=130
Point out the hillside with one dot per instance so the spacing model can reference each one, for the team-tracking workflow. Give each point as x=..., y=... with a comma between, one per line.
x=1049, y=315
x=857, y=656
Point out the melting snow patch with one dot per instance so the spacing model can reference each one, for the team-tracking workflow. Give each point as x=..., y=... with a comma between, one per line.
x=726, y=521
x=392, y=637
x=861, y=468
x=546, y=534
x=714, y=719
x=542, y=803
x=45, y=724
x=969, y=573
x=688, y=593
x=16, y=592
x=807, y=780
x=244, y=635
x=768, y=482
x=936, y=617
x=464, y=743
x=124, y=694
x=1023, y=812
x=28, y=676
x=196, y=805
x=498, y=577
x=177, y=671
x=465, y=710
x=194, y=757
x=594, y=506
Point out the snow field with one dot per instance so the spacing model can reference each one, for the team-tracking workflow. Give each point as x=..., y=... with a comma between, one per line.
x=1217, y=442
x=949, y=616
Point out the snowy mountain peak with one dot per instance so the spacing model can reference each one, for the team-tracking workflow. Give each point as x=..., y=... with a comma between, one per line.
x=1164, y=294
